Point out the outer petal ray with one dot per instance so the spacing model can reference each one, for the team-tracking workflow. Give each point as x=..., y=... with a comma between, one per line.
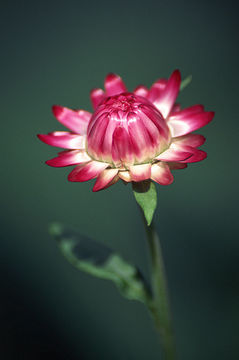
x=174, y=153
x=194, y=140
x=168, y=96
x=68, y=158
x=181, y=145
x=107, y=178
x=114, y=85
x=141, y=90
x=140, y=172
x=96, y=96
x=197, y=155
x=87, y=172
x=125, y=175
x=63, y=139
x=157, y=89
x=194, y=109
x=183, y=124
x=161, y=173
x=75, y=120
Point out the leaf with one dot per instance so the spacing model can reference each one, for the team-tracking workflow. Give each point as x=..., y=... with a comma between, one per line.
x=100, y=261
x=185, y=82
x=146, y=196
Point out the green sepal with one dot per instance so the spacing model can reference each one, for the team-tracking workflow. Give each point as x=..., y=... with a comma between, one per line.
x=185, y=82
x=98, y=260
x=146, y=196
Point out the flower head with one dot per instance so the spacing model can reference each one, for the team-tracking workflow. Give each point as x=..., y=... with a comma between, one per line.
x=131, y=136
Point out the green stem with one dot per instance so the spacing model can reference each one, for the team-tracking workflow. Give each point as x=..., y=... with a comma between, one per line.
x=160, y=308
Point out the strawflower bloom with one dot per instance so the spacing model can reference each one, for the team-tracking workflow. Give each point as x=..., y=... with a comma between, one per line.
x=131, y=136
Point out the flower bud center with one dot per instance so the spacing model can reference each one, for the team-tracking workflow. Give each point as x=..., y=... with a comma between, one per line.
x=126, y=129
x=124, y=102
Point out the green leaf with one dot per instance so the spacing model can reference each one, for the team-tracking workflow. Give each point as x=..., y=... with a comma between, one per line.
x=100, y=261
x=185, y=82
x=146, y=196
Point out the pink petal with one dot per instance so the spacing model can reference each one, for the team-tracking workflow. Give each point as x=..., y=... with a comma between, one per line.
x=174, y=154
x=183, y=124
x=63, y=139
x=194, y=140
x=68, y=158
x=122, y=147
x=156, y=89
x=114, y=85
x=96, y=96
x=177, y=165
x=168, y=96
x=75, y=120
x=156, y=118
x=180, y=147
x=140, y=172
x=96, y=136
x=87, y=172
x=141, y=142
x=153, y=128
x=141, y=90
x=161, y=173
x=107, y=178
x=197, y=155
x=194, y=109
x=108, y=136
x=125, y=175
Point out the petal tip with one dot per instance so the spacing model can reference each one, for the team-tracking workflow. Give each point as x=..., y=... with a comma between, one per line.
x=111, y=76
x=57, y=110
x=96, y=91
x=42, y=137
x=211, y=115
x=52, y=163
x=198, y=156
x=177, y=74
x=48, y=162
x=114, y=85
x=96, y=188
x=71, y=177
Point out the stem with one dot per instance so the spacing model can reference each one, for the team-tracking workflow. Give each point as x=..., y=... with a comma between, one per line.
x=160, y=308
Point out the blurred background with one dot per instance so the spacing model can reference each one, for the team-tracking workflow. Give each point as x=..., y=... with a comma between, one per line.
x=53, y=53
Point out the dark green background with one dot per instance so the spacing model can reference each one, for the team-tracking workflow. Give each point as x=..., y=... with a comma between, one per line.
x=54, y=53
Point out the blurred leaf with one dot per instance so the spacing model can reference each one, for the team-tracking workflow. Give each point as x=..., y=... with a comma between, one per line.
x=146, y=196
x=185, y=82
x=99, y=260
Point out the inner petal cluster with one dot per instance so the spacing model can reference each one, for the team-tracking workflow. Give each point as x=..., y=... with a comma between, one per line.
x=126, y=129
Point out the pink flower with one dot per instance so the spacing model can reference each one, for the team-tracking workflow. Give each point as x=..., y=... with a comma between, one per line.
x=131, y=136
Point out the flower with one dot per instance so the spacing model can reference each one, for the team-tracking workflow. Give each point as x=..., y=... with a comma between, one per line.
x=131, y=136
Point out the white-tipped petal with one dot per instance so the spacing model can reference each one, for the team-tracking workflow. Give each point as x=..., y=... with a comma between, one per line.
x=125, y=175
x=167, y=98
x=106, y=178
x=161, y=173
x=140, y=172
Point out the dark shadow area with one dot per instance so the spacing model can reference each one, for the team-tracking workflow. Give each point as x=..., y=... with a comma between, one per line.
x=28, y=332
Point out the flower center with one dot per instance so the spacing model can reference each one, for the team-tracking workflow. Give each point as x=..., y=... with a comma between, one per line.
x=127, y=129
x=124, y=102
